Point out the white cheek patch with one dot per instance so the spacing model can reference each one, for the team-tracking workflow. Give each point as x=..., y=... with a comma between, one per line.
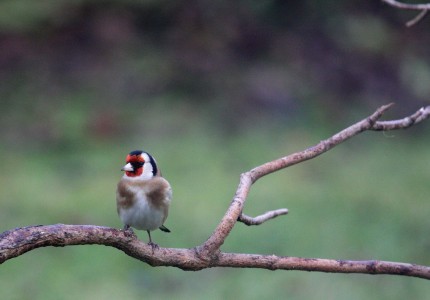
x=146, y=157
x=147, y=171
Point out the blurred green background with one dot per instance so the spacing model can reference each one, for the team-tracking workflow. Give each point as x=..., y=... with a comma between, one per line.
x=212, y=89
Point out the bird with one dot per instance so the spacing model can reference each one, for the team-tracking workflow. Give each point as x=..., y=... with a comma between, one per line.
x=143, y=196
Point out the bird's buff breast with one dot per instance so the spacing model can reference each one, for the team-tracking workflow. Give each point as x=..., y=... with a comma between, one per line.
x=141, y=215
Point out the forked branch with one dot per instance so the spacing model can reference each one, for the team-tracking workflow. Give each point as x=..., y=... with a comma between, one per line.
x=16, y=242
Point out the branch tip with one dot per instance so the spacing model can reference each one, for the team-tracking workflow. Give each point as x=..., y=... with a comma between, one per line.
x=247, y=220
x=418, y=18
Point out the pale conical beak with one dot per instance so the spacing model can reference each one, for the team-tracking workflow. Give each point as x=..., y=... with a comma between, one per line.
x=128, y=167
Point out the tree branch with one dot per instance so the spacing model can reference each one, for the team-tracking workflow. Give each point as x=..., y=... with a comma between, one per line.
x=401, y=5
x=247, y=220
x=18, y=241
x=404, y=123
x=424, y=7
x=418, y=18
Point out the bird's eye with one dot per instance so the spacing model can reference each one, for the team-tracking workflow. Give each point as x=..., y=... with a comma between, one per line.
x=137, y=164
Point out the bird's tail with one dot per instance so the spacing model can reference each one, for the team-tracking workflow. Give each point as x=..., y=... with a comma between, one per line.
x=164, y=228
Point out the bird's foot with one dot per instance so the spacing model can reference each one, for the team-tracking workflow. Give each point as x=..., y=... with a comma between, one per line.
x=154, y=246
x=128, y=231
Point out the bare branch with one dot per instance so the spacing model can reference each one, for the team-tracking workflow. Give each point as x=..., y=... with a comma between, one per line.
x=273, y=262
x=404, y=123
x=320, y=148
x=215, y=241
x=21, y=240
x=418, y=18
x=247, y=220
x=18, y=241
x=401, y=5
x=422, y=7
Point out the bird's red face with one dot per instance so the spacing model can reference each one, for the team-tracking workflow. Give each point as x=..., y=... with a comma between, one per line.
x=134, y=166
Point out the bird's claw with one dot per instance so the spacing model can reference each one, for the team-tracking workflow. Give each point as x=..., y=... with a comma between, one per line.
x=128, y=232
x=153, y=246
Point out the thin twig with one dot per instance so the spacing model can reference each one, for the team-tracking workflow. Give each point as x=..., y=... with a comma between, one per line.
x=404, y=123
x=397, y=4
x=247, y=220
x=418, y=18
x=424, y=7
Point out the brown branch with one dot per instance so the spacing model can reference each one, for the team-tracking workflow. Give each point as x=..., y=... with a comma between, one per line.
x=16, y=242
x=247, y=220
x=404, y=123
x=213, y=244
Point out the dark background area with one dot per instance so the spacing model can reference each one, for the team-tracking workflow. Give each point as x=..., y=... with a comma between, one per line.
x=300, y=63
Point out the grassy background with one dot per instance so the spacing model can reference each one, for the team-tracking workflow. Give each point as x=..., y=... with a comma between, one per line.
x=366, y=199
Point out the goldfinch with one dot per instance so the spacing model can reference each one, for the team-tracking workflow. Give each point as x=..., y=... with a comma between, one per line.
x=143, y=196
